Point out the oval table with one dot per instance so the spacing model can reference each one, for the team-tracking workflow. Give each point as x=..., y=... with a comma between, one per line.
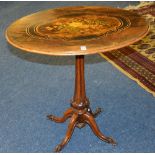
x=77, y=31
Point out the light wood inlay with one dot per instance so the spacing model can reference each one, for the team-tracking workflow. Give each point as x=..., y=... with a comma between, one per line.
x=63, y=31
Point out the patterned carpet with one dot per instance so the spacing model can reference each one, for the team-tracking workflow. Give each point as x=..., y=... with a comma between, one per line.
x=138, y=60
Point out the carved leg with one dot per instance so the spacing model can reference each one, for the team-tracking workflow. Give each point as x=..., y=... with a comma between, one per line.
x=68, y=113
x=69, y=132
x=92, y=123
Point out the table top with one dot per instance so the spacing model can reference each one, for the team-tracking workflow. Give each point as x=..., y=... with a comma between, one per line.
x=76, y=30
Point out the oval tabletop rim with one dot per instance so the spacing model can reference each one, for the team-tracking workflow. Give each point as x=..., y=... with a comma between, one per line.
x=69, y=51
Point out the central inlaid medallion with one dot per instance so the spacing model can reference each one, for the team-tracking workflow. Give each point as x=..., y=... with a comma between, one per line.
x=79, y=27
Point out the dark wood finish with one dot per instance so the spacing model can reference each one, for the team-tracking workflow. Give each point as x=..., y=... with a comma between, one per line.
x=77, y=31
x=80, y=101
x=63, y=31
x=80, y=111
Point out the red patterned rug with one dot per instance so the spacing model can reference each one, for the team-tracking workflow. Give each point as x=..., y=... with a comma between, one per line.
x=138, y=60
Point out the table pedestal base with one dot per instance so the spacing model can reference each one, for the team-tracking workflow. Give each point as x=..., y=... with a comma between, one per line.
x=79, y=112
x=78, y=119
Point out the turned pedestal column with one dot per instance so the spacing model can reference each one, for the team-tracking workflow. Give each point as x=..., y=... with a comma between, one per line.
x=79, y=111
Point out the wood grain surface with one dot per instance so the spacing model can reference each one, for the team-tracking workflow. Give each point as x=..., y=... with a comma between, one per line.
x=76, y=30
